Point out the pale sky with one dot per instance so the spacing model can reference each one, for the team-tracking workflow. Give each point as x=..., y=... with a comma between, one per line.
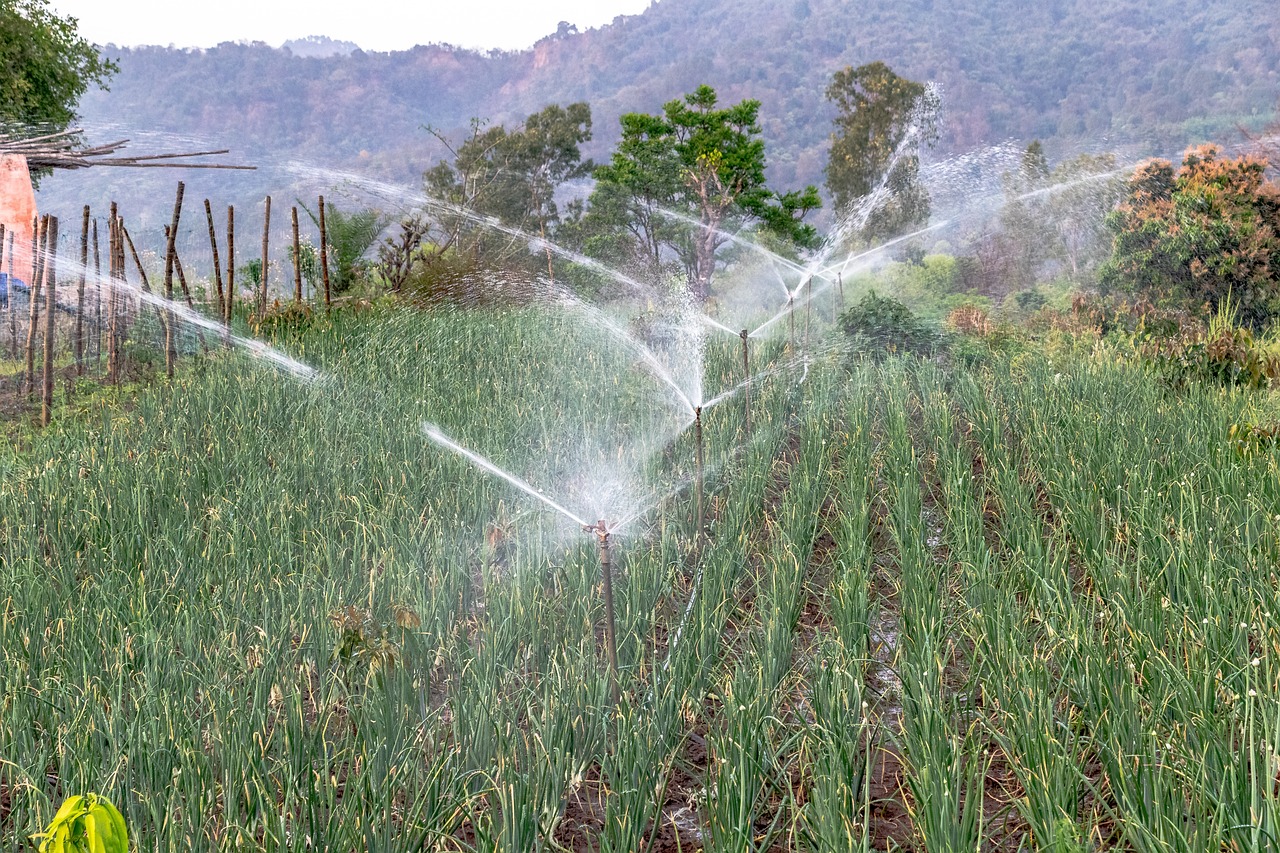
x=372, y=24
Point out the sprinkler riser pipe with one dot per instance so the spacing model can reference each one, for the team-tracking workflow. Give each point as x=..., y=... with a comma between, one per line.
x=606, y=574
x=697, y=437
x=746, y=390
x=791, y=323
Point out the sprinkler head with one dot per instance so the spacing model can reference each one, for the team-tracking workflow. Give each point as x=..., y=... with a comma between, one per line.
x=744, y=334
x=600, y=529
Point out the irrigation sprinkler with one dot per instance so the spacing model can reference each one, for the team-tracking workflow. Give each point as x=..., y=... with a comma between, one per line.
x=601, y=531
x=746, y=385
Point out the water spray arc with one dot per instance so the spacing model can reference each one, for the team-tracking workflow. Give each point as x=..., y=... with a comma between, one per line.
x=601, y=530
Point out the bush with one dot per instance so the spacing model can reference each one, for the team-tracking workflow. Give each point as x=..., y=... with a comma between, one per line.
x=283, y=319
x=1227, y=355
x=882, y=325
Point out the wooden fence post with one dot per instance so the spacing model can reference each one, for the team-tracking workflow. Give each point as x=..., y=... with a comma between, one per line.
x=50, y=317
x=38, y=238
x=297, y=259
x=217, y=264
x=80, y=280
x=231, y=261
x=97, y=302
x=170, y=346
x=324, y=255
x=262, y=287
x=113, y=320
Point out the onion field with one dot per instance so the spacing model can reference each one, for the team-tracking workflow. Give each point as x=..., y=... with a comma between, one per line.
x=1025, y=602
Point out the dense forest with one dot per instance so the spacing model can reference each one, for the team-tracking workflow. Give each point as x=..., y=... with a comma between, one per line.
x=1152, y=75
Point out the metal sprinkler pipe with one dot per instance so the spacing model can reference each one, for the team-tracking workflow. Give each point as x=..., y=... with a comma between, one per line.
x=697, y=437
x=791, y=323
x=808, y=313
x=601, y=531
x=746, y=385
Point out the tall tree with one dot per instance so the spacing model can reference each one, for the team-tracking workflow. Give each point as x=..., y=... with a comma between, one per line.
x=874, y=166
x=678, y=180
x=511, y=175
x=1207, y=234
x=45, y=65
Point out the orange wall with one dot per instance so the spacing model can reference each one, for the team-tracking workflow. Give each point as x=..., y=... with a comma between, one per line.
x=17, y=210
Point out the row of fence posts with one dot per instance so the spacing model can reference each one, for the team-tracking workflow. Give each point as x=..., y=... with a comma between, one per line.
x=124, y=303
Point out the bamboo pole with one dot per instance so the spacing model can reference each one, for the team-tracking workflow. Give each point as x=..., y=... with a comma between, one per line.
x=231, y=262
x=37, y=272
x=324, y=256
x=217, y=264
x=170, y=346
x=182, y=275
x=262, y=284
x=80, y=281
x=50, y=318
x=137, y=261
x=297, y=258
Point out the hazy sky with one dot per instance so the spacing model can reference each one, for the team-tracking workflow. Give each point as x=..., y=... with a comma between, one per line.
x=372, y=24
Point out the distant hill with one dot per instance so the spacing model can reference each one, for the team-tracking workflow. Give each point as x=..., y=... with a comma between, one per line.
x=1153, y=74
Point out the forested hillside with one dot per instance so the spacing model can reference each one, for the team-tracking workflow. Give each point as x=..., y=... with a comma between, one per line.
x=1150, y=73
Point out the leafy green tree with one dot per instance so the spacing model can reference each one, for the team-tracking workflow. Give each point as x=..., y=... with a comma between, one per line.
x=1208, y=234
x=881, y=121
x=45, y=66
x=678, y=180
x=511, y=175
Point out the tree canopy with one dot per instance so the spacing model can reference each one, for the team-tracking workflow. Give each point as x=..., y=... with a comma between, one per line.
x=512, y=175
x=45, y=66
x=1206, y=234
x=881, y=121
x=678, y=179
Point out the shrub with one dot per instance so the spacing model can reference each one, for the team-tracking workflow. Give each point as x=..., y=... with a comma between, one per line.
x=283, y=319
x=1226, y=354
x=881, y=324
